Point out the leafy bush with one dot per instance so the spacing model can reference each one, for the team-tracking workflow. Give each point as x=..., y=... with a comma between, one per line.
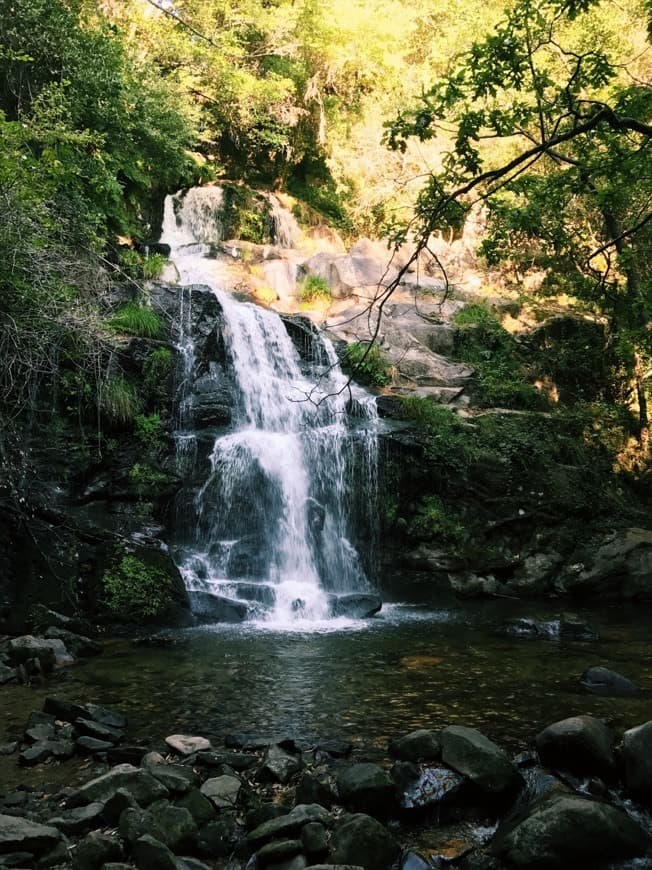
x=133, y=590
x=482, y=342
x=118, y=400
x=365, y=363
x=148, y=429
x=314, y=289
x=135, y=319
x=156, y=375
x=432, y=521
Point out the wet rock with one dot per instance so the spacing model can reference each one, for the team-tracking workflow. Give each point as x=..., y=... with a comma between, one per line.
x=151, y=854
x=140, y=784
x=92, y=746
x=315, y=841
x=117, y=804
x=239, y=761
x=636, y=758
x=572, y=627
x=278, y=850
x=250, y=741
x=223, y=791
x=40, y=752
x=95, y=850
x=216, y=608
x=79, y=820
x=70, y=711
x=296, y=863
x=219, y=838
x=334, y=747
x=433, y=786
x=366, y=787
x=571, y=831
x=21, y=835
x=89, y=728
x=42, y=618
x=602, y=681
x=264, y=813
x=279, y=766
x=354, y=605
x=313, y=789
x=198, y=805
x=177, y=824
x=50, y=653
x=186, y=744
x=175, y=777
x=617, y=566
x=289, y=824
x=421, y=745
x=78, y=645
x=412, y=861
x=580, y=744
x=7, y=674
x=364, y=842
x=481, y=761
x=40, y=732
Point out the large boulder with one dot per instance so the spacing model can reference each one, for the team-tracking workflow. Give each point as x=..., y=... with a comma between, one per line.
x=366, y=787
x=289, y=825
x=481, y=761
x=216, y=608
x=636, y=758
x=580, y=744
x=279, y=765
x=140, y=784
x=420, y=745
x=50, y=652
x=355, y=605
x=603, y=681
x=618, y=566
x=571, y=831
x=362, y=841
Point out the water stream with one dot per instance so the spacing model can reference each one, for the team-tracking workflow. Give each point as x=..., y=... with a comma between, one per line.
x=270, y=531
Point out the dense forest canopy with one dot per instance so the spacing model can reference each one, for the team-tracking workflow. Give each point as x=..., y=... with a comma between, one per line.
x=388, y=118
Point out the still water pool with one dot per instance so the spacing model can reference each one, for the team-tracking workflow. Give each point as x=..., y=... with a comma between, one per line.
x=420, y=665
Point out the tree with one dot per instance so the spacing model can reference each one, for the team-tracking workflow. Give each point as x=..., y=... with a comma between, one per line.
x=550, y=124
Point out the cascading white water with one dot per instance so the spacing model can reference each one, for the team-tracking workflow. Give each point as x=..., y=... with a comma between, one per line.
x=273, y=519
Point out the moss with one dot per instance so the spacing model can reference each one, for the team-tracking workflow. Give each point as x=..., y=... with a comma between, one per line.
x=135, y=319
x=314, y=289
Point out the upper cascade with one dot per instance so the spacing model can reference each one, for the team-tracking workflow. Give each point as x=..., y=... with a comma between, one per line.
x=275, y=502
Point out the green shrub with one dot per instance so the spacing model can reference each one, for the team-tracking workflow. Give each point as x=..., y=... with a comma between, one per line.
x=139, y=267
x=432, y=521
x=133, y=590
x=156, y=376
x=153, y=266
x=148, y=429
x=148, y=480
x=364, y=362
x=314, y=289
x=135, y=319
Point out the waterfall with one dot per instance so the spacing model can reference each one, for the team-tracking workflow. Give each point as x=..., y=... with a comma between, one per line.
x=269, y=530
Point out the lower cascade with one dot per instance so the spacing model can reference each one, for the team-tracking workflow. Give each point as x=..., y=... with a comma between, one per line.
x=281, y=491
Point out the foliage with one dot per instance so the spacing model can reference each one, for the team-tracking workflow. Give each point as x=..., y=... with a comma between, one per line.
x=148, y=479
x=565, y=109
x=364, y=362
x=157, y=369
x=135, y=319
x=148, y=429
x=482, y=342
x=314, y=289
x=433, y=521
x=138, y=267
x=117, y=400
x=134, y=590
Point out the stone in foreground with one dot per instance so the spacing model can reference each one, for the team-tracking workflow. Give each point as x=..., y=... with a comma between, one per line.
x=580, y=744
x=481, y=761
x=21, y=835
x=185, y=744
x=364, y=842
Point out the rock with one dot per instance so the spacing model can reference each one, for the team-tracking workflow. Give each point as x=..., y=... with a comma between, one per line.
x=150, y=854
x=636, y=757
x=421, y=745
x=140, y=784
x=312, y=789
x=366, y=787
x=71, y=711
x=289, y=824
x=175, y=777
x=78, y=645
x=39, y=733
x=580, y=744
x=79, y=820
x=264, y=813
x=216, y=608
x=354, y=605
x=223, y=791
x=477, y=758
x=334, y=747
x=21, y=835
x=42, y=618
x=117, y=804
x=617, y=566
x=8, y=748
x=434, y=785
x=219, y=838
x=278, y=850
x=177, y=824
x=91, y=745
x=50, y=653
x=364, y=842
x=95, y=850
x=100, y=732
x=126, y=755
x=7, y=674
x=412, y=861
x=278, y=766
x=296, y=863
x=602, y=681
x=239, y=761
x=572, y=831
x=135, y=822
x=572, y=627
x=314, y=840
x=198, y=805
x=185, y=744
x=40, y=752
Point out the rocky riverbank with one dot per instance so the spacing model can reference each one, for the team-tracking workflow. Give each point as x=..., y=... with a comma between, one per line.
x=577, y=796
